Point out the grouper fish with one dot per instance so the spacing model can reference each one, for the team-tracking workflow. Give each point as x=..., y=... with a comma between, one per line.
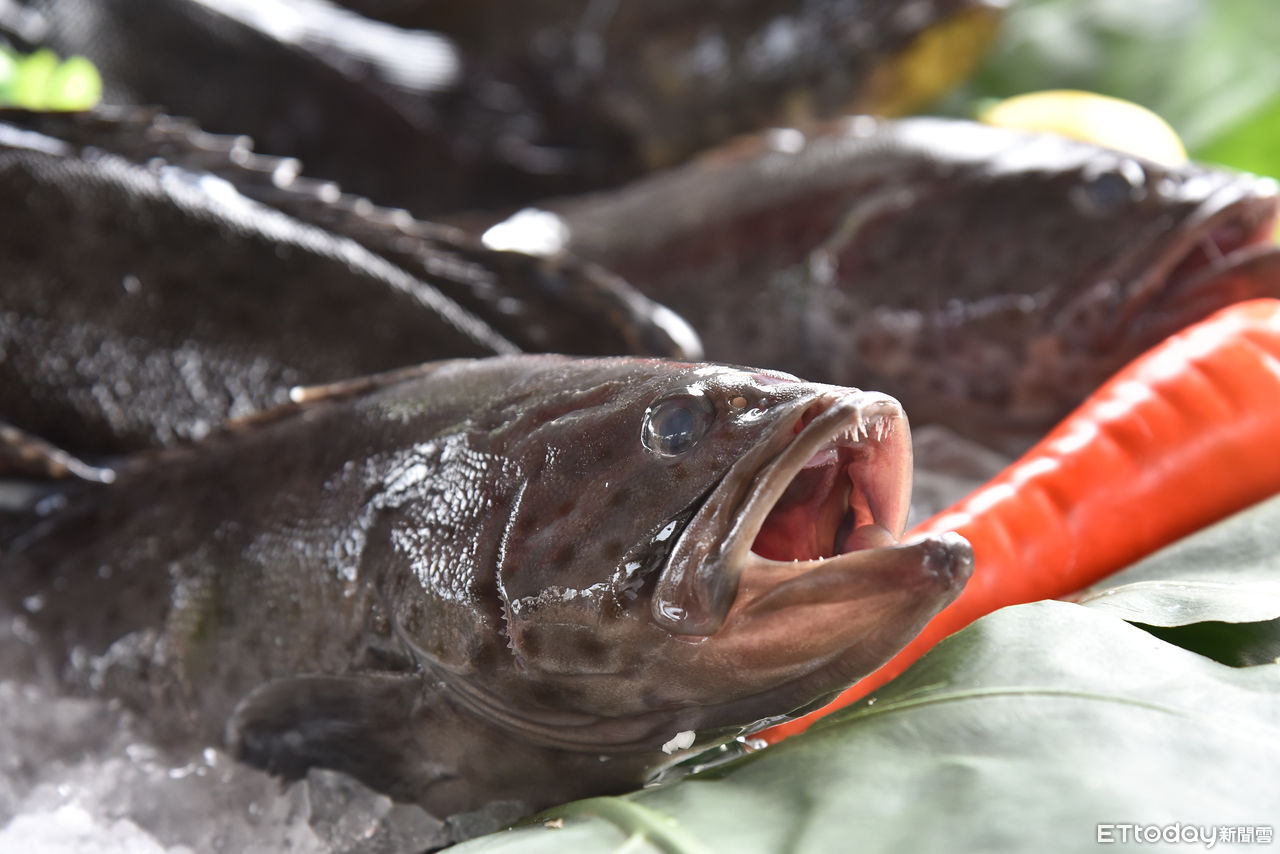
x=159, y=279
x=627, y=86
x=523, y=579
x=988, y=278
x=490, y=104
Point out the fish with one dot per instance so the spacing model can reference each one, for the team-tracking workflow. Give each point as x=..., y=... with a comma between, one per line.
x=161, y=279
x=346, y=94
x=1179, y=439
x=522, y=579
x=629, y=86
x=448, y=111
x=987, y=278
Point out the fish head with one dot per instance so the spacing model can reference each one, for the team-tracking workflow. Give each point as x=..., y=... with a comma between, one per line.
x=1003, y=275
x=699, y=547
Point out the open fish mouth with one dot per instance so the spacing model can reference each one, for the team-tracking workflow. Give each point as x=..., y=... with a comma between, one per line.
x=842, y=485
x=1225, y=256
x=820, y=522
x=835, y=506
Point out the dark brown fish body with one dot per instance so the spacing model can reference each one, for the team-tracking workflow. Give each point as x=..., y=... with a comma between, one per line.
x=634, y=85
x=148, y=296
x=528, y=100
x=510, y=579
x=360, y=102
x=988, y=278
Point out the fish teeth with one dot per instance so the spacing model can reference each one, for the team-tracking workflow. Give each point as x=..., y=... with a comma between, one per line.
x=863, y=428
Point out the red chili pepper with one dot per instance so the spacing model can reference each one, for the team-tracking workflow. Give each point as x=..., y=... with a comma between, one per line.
x=1184, y=435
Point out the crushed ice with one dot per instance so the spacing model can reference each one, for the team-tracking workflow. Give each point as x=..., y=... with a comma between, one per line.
x=79, y=775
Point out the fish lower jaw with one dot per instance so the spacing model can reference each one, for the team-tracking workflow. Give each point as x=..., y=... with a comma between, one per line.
x=857, y=608
x=870, y=535
x=872, y=567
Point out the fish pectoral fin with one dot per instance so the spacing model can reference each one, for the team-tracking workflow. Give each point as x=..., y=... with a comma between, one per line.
x=25, y=455
x=360, y=724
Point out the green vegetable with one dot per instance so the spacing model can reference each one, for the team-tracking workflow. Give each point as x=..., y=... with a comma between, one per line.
x=1208, y=67
x=38, y=81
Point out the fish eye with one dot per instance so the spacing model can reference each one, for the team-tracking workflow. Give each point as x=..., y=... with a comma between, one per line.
x=1108, y=189
x=674, y=424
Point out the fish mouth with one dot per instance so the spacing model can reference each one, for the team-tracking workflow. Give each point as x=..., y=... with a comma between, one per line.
x=820, y=522
x=1223, y=255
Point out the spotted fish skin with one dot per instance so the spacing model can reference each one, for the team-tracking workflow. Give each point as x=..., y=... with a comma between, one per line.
x=484, y=105
x=626, y=87
x=988, y=278
x=443, y=580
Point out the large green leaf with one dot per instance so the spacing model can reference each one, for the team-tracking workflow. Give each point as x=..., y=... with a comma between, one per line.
x=1228, y=572
x=1022, y=732
x=1216, y=592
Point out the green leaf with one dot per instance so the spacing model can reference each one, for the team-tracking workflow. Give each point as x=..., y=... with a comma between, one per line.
x=1216, y=592
x=32, y=79
x=1234, y=644
x=1228, y=572
x=1208, y=67
x=8, y=73
x=74, y=85
x=38, y=81
x=1250, y=144
x=1021, y=733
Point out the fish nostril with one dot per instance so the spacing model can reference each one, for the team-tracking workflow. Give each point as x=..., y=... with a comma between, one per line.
x=808, y=415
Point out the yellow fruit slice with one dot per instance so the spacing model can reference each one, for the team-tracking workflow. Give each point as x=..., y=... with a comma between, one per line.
x=1104, y=121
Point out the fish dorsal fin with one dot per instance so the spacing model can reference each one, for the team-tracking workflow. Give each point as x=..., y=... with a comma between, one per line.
x=305, y=394
x=27, y=456
x=306, y=397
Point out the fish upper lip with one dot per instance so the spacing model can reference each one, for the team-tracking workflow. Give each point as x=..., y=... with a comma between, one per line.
x=870, y=427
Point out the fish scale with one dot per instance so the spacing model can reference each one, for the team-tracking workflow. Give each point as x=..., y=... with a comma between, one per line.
x=988, y=278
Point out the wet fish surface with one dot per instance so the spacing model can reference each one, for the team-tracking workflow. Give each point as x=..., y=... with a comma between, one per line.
x=988, y=278
x=629, y=86
x=522, y=579
x=160, y=279
x=484, y=105
x=345, y=94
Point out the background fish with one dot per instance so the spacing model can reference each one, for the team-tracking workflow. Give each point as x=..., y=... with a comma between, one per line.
x=628, y=86
x=478, y=105
x=480, y=580
x=148, y=297
x=988, y=278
